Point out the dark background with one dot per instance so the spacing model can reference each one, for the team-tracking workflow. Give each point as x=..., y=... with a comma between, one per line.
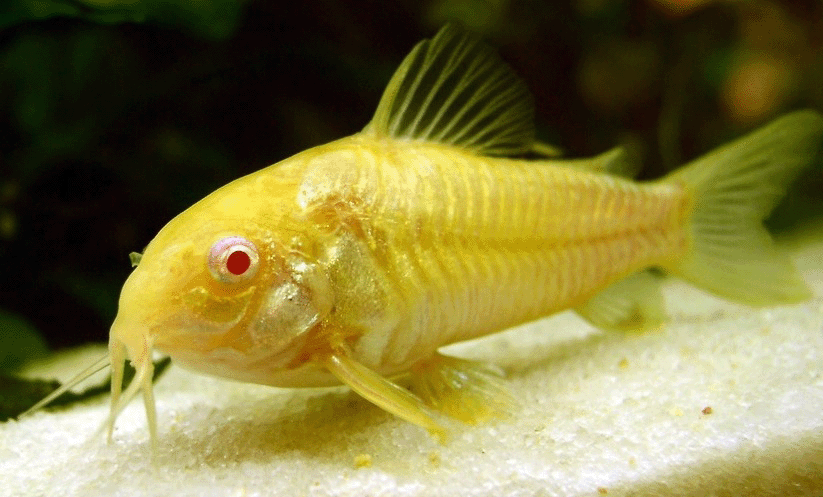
x=117, y=115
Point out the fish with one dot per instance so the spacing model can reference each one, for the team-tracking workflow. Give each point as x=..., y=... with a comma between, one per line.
x=356, y=261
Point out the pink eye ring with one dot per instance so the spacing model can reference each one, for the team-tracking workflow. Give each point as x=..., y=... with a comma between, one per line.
x=233, y=259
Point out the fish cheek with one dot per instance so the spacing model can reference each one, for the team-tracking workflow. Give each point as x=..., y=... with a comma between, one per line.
x=221, y=312
x=286, y=312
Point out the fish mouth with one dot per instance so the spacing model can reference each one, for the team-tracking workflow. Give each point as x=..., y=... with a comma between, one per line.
x=139, y=355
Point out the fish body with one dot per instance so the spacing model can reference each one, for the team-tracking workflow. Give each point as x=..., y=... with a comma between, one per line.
x=423, y=245
x=355, y=261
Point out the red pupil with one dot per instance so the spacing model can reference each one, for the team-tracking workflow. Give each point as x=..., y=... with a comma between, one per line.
x=238, y=262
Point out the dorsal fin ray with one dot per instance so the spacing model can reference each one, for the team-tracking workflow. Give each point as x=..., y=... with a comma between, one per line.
x=455, y=89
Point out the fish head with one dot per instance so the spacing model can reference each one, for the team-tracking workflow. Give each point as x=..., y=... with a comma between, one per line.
x=225, y=288
x=220, y=299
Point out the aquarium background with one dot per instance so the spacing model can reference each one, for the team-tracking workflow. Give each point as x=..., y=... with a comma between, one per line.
x=117, y=115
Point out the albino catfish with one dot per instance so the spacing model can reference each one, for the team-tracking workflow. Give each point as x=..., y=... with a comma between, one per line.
x=355, y=261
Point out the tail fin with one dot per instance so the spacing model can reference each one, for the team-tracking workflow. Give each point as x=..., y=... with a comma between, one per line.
x=734, y=188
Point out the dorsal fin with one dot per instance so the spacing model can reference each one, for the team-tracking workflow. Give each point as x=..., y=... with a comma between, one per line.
x=455, y=89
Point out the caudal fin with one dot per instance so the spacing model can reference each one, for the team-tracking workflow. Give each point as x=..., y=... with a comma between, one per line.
x=734, y=188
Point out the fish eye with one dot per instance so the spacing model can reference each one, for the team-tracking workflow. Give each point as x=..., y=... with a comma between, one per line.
x=233, y=259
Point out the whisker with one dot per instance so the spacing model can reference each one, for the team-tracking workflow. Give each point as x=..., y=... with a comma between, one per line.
x=117, y=352
x=120, y=402
x=97, y=366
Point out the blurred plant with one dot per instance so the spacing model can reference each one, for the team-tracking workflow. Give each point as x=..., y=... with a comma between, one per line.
x=773, y=57
x=21, y=342
x=208, y=18
x=680, y=8
x=67, y=87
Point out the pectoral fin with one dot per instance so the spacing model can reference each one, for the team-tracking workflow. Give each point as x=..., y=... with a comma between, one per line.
x=382, y=392
x=632, y=304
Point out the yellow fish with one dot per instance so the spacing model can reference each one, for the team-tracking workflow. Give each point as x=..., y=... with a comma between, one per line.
x=355, y=261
